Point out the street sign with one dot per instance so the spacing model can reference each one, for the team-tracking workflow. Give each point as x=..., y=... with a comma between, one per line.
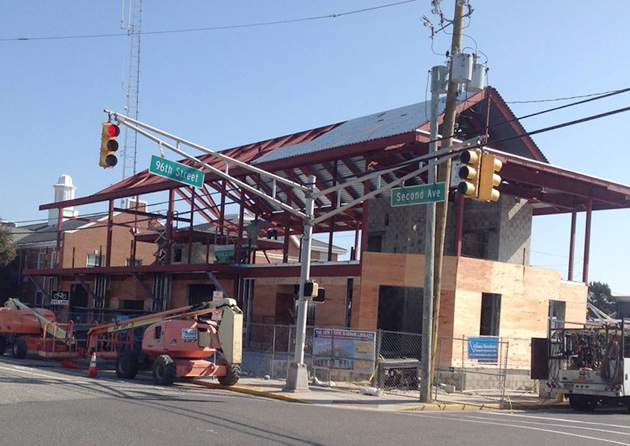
x=59, y=298
x=426, y=193
x=176, y=171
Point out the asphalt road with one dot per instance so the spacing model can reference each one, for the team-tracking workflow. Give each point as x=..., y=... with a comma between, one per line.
x=42, y=404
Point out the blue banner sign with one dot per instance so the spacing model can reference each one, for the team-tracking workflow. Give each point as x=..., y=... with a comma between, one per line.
x=484, y=349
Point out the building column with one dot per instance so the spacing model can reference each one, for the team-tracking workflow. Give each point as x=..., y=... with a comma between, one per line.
x=190, y=228
x=459, y=224
x=110, y=224
x=572, y=245
x=587, y=241
x=239, y=235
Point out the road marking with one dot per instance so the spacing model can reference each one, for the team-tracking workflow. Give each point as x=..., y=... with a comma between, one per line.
x=562, y=419
x=21, y=370
x=518, y=426
x=478, y=417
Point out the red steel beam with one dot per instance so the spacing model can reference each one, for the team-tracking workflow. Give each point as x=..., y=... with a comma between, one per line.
x=587, y=241
x=108, y=248
x=572, y=245
x=197, y=208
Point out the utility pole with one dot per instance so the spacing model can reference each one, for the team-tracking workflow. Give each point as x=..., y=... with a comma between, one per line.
x=444, y=173
x=429, y=248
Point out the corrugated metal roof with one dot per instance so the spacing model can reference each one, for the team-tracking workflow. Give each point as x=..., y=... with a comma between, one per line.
x=379, y=125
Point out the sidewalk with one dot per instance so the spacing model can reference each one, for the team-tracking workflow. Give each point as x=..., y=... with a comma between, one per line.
x=388, y=401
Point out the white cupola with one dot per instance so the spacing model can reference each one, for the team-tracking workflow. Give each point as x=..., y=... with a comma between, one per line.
x=64, y=190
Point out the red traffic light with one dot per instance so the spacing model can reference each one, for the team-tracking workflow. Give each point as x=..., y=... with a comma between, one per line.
x=113, y=130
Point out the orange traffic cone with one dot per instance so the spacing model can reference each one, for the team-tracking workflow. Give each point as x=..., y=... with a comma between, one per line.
x=92, y=369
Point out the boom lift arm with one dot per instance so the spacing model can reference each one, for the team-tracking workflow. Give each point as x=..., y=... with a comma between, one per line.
x=50, y=326
x=230, y=329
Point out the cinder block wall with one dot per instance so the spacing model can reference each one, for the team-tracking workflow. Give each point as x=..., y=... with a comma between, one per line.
x=494, y=231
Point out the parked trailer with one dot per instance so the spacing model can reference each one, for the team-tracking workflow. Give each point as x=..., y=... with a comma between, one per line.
x=591, y=365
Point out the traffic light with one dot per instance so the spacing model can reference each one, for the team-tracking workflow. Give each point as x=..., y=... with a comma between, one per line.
x=321, y=295
x=109, y=145
x=488, y=178
x=310, y=289
x=469, y=173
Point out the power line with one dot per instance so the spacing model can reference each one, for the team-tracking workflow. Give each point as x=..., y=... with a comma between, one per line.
x=411, y=161
x=213, y=28
x=509, y=138
x=534, y=101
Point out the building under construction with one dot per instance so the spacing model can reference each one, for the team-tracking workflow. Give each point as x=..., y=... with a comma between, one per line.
x=223, y=237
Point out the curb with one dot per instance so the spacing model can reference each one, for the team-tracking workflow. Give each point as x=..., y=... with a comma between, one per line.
x=533, y=406
x=453, y=406
x=250, y=391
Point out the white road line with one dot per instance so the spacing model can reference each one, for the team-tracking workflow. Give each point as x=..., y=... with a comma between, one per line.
x=21, y=370
x=477, y=417
x=518, y=426
x=565, y=420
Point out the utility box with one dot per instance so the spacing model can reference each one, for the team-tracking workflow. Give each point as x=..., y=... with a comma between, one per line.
x=478, y=78
x=462, y=69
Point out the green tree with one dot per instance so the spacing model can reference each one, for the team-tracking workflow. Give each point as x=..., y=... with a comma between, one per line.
x=599, y=294
x=7, y=249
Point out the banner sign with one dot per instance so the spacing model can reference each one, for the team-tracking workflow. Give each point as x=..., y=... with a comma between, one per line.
x=484, y=349
x=344, y=349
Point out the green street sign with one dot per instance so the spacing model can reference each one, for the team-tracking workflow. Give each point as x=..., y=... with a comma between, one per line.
x=426, y=193
x=176, y=171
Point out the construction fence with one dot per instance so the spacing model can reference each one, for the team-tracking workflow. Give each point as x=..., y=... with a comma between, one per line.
x=390, y=360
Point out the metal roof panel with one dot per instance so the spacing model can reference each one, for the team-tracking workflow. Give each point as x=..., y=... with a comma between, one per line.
x=376, y=126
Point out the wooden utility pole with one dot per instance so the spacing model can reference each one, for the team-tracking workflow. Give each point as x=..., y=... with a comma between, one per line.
x=444, y=174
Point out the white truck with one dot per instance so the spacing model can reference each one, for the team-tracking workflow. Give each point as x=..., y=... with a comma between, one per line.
x=591, y=365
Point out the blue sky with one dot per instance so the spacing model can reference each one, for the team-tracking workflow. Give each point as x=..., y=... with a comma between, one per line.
x=230, y=87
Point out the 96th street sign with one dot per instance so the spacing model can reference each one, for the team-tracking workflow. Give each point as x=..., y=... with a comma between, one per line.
x=426, y=193
x=176, y=171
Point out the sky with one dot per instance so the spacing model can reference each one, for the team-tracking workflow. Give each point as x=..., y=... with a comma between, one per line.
x=229, y=87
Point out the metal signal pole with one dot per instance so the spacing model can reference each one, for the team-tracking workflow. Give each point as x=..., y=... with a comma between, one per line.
x=429, y=249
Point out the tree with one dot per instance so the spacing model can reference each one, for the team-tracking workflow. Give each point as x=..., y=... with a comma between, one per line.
x=7, y=250
x=9, y=269
x=599, y=294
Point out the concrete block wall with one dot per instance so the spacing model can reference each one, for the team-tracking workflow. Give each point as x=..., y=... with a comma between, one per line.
x=494, y=231
x=516, y=230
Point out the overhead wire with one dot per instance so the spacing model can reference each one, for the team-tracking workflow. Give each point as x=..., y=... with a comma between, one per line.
x=214, y=28
x=413, y=160
x=520, y=135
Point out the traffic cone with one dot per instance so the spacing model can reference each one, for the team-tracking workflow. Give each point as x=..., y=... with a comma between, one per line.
x=92, y=369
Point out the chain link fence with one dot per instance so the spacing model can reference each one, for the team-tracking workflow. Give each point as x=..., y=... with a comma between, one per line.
x=484, y=367
x=475, y=365
x=382, y=358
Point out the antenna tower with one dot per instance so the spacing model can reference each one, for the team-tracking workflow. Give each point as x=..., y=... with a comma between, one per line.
x=132, y=9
